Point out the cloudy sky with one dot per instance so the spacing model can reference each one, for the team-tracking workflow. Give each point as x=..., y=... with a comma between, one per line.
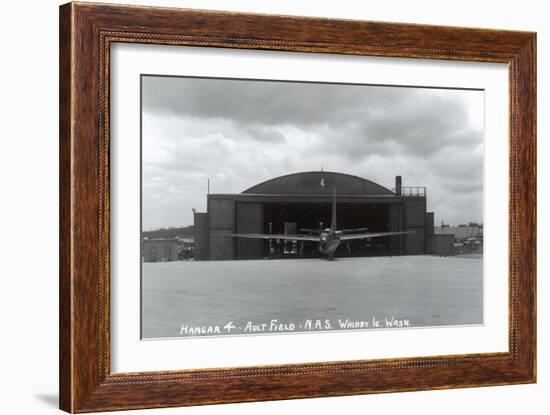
x=239, y=133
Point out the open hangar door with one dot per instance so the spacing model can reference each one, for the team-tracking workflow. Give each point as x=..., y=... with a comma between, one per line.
x=291, y=218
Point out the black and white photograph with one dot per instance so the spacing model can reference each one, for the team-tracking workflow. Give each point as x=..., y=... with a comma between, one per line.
x=281, y=207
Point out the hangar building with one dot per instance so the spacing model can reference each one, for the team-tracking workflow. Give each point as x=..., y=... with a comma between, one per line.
x=286, y=204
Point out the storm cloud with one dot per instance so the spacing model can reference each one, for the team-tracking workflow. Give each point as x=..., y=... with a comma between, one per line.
x=238, y=133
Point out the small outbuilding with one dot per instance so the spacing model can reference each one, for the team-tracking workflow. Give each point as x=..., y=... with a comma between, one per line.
x=443, y=244
x=159, y=249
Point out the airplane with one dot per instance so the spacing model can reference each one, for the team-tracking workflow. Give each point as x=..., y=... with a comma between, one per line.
x=329, y=239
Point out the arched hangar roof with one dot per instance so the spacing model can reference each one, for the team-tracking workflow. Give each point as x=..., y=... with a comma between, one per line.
x=319, y=182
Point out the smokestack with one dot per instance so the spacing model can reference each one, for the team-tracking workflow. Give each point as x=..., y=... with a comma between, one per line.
x=398, y=185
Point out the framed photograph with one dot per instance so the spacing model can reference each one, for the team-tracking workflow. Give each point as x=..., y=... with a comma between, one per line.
x=258, y=207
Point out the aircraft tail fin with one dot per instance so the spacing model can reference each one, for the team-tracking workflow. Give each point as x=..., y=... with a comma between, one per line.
x=333, y=222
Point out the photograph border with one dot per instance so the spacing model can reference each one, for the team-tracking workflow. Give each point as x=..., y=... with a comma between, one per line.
x=86, y=33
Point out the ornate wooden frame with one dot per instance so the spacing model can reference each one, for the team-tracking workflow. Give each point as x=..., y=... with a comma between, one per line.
x=86, y=33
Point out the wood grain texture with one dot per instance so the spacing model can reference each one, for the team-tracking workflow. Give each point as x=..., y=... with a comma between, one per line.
x=86, y=33
x=65, y=247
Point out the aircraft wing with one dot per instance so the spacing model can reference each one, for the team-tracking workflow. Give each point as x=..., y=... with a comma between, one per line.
x=314, y=231
x=356, y=230
x=275, y=236
x=371, y=235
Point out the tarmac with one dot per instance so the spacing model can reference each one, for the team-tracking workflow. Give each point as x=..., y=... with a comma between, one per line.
x=196, y=298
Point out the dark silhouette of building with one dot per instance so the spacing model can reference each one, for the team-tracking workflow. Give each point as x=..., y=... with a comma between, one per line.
x=289, y=203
